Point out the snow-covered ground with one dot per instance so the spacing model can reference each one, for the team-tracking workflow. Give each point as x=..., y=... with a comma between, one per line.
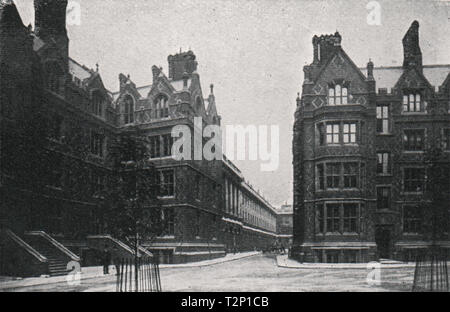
x=255, y=273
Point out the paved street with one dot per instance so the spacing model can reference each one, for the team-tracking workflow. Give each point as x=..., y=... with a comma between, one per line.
x=257, y=274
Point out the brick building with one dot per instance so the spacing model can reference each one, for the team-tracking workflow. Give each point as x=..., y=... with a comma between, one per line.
x=285, y=226
x=61, y=202
x=360, y=140
x=249, y=221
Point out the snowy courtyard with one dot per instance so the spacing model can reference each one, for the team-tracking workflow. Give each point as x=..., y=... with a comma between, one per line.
x=258, y=273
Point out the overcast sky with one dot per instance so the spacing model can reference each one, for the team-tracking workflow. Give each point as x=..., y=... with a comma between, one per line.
x=253, y=51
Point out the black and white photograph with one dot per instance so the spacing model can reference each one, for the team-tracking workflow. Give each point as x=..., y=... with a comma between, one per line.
x=218, y=147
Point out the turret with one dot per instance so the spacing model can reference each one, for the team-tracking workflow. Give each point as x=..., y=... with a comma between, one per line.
x=325, y=46
x=411, y=48
x=181, y=63
x=50, y=22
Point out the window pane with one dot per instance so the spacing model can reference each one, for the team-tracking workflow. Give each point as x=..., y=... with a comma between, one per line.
x=385, y=111
x=385, y=126
x=344, y=100
x=379, y=112
x=338, y=90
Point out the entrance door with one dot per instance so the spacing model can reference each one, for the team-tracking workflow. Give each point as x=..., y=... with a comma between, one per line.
x=383, y=241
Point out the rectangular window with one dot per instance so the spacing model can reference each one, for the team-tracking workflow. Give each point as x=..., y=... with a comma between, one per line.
x=97, y=104
x=333, y=133
x=446, y=139
x=320, y=219
x=383, y=119
x=414, y=140
x=167, y=141
x=414, y=180
x=331, y=97
x=320, y=177
x=166, y=183
x=333, y=218
x=333, y=172
x=412, y=219
x=97, y=142
x=350, y=218
x=412, y=103
x=349, y=133
x=383, y=198
x=350, y=175
x=383, y=163
x=155, y=146
x=169, y=221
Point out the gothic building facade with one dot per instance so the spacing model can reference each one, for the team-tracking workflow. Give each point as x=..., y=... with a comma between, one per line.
x=52, y=181
x=360, y=146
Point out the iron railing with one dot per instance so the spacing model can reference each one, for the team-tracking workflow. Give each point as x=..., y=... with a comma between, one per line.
x=431, y=273
x=138, y=275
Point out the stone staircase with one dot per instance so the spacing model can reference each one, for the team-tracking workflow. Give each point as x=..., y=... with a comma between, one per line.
x=57, y=255
x=56, y=265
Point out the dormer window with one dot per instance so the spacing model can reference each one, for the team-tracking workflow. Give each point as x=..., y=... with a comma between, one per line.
x=128, y=110
x=337, y=95
x=413, y=103
x=97, y=104
x=162, y=106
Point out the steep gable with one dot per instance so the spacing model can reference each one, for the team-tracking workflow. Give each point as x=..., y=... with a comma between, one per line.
x=413, y=79
x=339, y=69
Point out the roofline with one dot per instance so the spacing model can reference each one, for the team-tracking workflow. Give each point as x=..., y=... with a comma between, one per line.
x=401, y=67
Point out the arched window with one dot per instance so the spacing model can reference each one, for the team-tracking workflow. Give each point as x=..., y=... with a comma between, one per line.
x=337, y=95
x=54, y=77
x=97, y=103
x=128, y=115
x=162, y=106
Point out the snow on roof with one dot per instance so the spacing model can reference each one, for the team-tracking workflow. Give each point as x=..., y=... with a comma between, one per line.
x=436, y=74
x=79, y=71
x=387, y=77
x=144, y=90
x=178, y=84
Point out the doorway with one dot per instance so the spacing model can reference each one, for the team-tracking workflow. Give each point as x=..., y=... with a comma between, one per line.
x=383, y=241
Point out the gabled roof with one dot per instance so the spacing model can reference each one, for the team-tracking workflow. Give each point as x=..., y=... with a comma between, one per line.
x=144, y=90
x=331, y=58
x=78, y=70
x=387, y=77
